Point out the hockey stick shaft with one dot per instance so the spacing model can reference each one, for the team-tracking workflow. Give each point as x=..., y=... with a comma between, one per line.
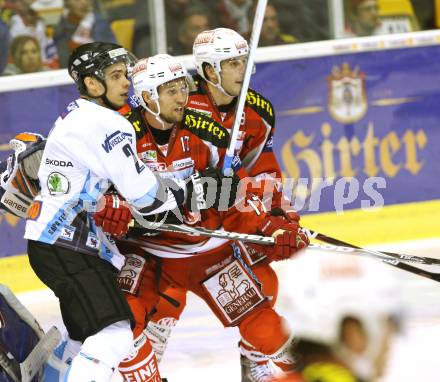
x=256, y=29
x=337, y=246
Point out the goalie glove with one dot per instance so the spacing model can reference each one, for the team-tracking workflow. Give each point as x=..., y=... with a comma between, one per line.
x=19, y=182
x=289, y=238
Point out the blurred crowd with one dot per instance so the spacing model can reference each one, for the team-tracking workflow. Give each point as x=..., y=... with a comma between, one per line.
x=36, y=37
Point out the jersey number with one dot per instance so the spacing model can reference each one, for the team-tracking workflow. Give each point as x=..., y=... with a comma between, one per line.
x=128, y=151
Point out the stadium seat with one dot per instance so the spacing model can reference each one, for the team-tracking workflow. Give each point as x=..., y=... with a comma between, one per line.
x=124, y=30
x=397, y=16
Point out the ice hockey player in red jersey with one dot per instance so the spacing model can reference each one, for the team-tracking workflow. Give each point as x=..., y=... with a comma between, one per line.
x=220, y=57
x=211, y=268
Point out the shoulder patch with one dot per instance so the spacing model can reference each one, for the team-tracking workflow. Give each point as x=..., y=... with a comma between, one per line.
x=205, y=128
x=261, y=105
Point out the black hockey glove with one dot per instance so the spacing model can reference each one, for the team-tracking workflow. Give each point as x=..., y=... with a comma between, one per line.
x=210, y=188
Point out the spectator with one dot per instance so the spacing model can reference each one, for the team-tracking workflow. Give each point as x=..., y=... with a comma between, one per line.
x=196, y=20
x=25, y=56
x=80, y=25
x=234, y=14
x=174, y=9
x=270, y=31
x=25, y=21
x=363, y=18
x=306, y=20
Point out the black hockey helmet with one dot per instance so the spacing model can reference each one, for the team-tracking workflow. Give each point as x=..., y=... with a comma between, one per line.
x=91, y=59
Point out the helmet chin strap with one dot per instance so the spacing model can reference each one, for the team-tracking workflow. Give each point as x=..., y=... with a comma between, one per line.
x=156, y=114
x=219, y=85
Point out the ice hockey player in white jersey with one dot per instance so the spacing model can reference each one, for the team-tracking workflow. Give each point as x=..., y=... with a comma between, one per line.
x=90, y=148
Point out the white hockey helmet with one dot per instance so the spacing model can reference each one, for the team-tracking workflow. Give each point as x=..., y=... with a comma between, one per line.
x=324, y=289
x=214, y=46
x=149, y=73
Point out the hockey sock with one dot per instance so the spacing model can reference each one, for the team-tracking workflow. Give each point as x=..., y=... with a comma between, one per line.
x=141, y=365
x=101, y=353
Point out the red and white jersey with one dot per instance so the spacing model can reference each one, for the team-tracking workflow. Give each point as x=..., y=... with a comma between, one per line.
x=255, y=138
x=185, y=152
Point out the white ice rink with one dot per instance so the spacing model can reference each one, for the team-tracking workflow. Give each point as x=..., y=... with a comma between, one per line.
x=200, y=349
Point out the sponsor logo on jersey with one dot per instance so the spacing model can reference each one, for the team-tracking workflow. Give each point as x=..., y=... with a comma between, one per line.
x=236, y=162
x=57, y=183
x=164, y=148
x=67, y=233
x=134, y=101
x=261, y=105
x=130, y=275
x=58, y=163
x=57, y=223
x=149, y=156
x=198, y=191
x=92, y=241
x=183, y=163
x=202, y=111
x=115, y=139
x=234, y=291
x=206, y=128
x=159, y=166
x=194, y=102
x=35, y=210
x=70, y=107
x=269, y=144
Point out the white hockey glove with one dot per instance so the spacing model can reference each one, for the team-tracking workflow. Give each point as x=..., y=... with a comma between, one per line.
x=19, y=182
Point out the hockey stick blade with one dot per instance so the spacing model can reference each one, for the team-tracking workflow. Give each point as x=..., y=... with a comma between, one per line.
x=422, y=260
x=392, y=259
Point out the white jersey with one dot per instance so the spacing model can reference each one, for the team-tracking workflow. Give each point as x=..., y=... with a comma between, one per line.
x=89, y=148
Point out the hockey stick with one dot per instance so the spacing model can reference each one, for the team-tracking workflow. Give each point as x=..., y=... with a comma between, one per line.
x=200, y=231
x=339, y=246
x=401, y=257
x=256, y=29
x=388, y=258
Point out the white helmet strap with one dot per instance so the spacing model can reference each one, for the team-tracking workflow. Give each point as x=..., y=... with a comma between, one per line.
x=218, y=85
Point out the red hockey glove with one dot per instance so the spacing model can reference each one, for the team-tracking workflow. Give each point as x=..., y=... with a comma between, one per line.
x=288, y=238
x=114, y=215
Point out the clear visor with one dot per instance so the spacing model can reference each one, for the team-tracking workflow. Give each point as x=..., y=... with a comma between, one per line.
x=119, y=55
x=236, y=63
x=174, y=87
